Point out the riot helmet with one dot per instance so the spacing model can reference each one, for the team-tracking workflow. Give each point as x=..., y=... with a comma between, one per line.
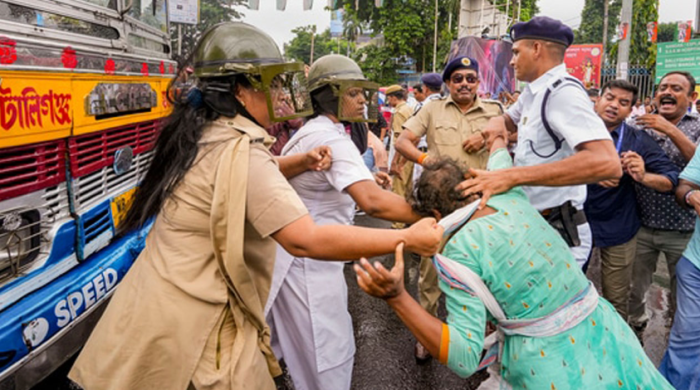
x=239, y=49
x=338, y=86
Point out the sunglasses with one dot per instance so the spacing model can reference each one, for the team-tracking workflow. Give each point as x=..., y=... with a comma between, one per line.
x=458, y=78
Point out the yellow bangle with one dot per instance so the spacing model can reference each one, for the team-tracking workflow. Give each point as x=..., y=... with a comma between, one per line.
x=422, y=158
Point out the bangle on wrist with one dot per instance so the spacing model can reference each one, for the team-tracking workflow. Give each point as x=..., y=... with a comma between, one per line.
x=687, y=197
x=422, y=158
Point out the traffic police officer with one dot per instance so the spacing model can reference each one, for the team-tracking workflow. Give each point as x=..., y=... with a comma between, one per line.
x=452, y=126
x=562, y=143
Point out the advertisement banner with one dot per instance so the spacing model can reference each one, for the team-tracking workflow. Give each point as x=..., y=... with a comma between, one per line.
x=622, y=30
x=183, y=11
x=684, y=31
x=678, y=56
x=495, y=73
x=652, y=31
x=584, y=62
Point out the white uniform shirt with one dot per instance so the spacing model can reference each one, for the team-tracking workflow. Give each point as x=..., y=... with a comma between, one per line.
x=571, y=117
x=328, y=203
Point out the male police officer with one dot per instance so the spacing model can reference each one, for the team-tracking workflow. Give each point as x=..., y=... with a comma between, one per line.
x=400, y=169
x=562, y=143
x=452, y=126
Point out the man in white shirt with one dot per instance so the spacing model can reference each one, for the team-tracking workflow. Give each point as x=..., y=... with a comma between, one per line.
x=558, y=152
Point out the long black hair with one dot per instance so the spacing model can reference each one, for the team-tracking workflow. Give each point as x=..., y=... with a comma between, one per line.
x=176, y=147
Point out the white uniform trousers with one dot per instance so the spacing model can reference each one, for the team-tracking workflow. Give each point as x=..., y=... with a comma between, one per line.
x=293, y=337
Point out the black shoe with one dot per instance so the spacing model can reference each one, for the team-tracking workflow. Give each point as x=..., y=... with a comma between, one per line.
x=639, y=331
x=422, y=354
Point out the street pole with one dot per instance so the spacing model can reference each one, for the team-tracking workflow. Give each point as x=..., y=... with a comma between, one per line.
x=697, y=17
x=179, y=39
x=435, y=38
x=313, y=36
x=606, y=4
x=507, y=9
x=623, y=50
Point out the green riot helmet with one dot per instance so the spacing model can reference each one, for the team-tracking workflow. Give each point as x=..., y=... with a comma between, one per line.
x=235, y=48
x=357, y=99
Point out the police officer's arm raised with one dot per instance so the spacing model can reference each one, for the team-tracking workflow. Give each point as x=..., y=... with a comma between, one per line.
x=592, y=162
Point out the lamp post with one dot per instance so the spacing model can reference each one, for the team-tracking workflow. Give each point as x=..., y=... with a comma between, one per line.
x=435, y=37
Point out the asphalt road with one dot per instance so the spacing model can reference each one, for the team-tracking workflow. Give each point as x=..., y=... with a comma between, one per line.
x=384, y=358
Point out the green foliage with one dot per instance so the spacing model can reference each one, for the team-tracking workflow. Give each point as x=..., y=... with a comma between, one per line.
x=668, y=32
x=211, y=12
x=591, y=28
x=642, y=51
x=299, y=48
x=408, y=31
x=377, y=64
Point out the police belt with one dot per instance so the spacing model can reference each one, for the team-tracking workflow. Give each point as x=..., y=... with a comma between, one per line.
x=579, y=217
x=565, y=219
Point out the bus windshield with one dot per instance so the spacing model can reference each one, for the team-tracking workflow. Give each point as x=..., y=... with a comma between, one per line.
x=151, y=12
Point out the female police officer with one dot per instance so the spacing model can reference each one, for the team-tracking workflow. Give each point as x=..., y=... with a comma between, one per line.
x=189, y=312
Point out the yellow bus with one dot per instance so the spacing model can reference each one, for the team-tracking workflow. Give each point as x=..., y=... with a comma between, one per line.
x=82, y=93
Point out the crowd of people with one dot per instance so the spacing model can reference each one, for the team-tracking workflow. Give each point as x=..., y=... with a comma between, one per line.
x=257, y=178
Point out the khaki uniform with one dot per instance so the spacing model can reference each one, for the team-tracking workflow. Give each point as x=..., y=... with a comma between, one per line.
x=401, y=186
x=190, y=310
x=446, y=128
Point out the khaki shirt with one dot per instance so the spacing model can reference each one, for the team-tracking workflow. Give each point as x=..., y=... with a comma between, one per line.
x=401, y=114
x=172, y=320
x=446, y=127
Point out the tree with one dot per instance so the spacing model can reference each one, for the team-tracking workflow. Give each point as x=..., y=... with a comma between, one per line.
x=211, y=12
x=642, y=51
x=299, y=48
x=352, y=28
x=408, y=31
x=667, y=32
x=591, y=28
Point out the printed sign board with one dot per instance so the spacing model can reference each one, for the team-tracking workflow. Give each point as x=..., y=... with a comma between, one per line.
x=584, y=62
x=183, y=11
x=678, y=56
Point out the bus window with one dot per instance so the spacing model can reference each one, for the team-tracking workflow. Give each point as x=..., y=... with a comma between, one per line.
x=45, y=19
x=145, y=11
x=148, y=44
x=111, y=4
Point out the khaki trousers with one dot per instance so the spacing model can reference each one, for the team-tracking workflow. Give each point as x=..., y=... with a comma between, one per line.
x=428, y=290
x=403, y=187
x=616, y=274
x=651, y=243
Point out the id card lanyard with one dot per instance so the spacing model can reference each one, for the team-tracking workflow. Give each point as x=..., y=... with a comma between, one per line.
x=618, y=147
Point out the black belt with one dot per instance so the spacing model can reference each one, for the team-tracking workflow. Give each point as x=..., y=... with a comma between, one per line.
x=579, y=217
x=423, y=149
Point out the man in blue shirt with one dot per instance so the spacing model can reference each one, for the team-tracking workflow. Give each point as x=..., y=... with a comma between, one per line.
x=680, y=363
x=611, y=206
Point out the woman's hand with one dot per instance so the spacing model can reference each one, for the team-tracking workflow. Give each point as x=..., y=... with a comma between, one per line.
x=383, y=180
x=424, y=236
x=319, y=159
x=377, y=281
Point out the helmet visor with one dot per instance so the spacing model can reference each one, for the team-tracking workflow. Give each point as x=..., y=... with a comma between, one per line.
x=286, y=91
x=357, y=101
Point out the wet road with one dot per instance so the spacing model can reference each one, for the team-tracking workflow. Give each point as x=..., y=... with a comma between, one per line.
x=384, y=358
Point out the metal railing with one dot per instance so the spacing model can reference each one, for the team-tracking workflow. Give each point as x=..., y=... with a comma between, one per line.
x=642, y=77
